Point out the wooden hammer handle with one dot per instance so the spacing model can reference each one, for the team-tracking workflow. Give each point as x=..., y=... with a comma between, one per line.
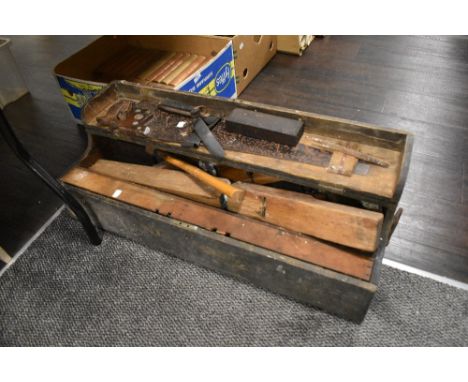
x=236, y=194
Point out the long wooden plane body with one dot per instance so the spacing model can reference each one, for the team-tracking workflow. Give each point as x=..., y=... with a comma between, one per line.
x=345, y=225
x=239, y=227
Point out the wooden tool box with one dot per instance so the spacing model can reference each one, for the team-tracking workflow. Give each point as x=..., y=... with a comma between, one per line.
x=337, y=278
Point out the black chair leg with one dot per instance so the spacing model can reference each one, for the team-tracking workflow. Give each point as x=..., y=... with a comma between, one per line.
x=11, y=139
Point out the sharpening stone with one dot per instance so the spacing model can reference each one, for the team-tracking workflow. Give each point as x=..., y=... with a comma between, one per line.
x=269, y=127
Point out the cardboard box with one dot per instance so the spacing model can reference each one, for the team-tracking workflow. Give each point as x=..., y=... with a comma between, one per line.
x=234, y=62
x=293, y=44
x=251, y=54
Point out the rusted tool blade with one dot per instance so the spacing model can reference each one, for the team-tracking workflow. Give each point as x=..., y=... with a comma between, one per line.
x=193, y=140
x=208, y=138
x=199, y=125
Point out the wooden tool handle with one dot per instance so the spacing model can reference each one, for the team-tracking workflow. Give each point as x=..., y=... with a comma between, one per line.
x=232, y=192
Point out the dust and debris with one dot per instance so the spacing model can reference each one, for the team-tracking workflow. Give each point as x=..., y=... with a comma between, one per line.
x=281, y=269
x=175, y=128
x=299, y=153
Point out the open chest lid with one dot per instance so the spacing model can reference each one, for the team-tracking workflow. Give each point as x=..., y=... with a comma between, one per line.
x=310, y=163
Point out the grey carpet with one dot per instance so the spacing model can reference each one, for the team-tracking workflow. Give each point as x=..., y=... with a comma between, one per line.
x=63, y=291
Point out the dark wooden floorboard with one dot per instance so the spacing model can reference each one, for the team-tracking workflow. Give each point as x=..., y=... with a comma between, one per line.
x=465, y=180
x=419, y=84
x=415, y=83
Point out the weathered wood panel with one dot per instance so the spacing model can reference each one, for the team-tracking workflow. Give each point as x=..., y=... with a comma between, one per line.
x=378, y=185
x=241, y=228
x=335, y=293
x=346, y=225
x=350, y=226
x=172, y=181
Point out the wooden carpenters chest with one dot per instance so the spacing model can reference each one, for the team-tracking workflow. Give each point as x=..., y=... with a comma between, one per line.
x=356, y=172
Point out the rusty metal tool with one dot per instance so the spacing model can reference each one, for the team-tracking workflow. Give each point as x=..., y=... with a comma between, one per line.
x=193, y=140
x=199, y=125
x=176, y=107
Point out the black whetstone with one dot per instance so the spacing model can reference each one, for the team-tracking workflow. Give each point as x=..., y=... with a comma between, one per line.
x=254, y=124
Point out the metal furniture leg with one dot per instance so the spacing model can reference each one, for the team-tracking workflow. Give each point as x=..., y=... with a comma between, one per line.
x=6, y=131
